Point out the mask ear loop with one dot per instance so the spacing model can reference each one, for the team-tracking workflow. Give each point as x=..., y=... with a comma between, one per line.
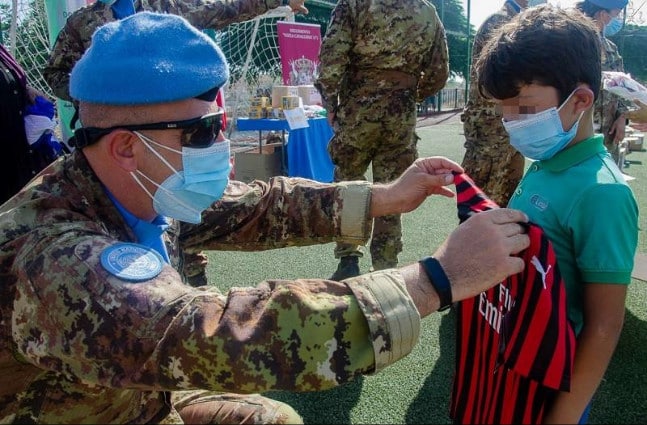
x=566, y=101
x=146, y=140
x=159, y=186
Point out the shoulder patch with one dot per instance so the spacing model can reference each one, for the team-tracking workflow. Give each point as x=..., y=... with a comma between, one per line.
x=132, y=262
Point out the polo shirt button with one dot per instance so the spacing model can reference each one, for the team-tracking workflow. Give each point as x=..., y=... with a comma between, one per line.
x=518, y=191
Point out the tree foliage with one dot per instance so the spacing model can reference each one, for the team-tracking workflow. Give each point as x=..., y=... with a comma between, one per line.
x=453, y=17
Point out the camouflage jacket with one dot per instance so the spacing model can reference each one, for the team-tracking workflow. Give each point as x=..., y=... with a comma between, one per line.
x=74, y=38
x=374, y=46
x=481, y=120
x=79, y=344
x=609, y=106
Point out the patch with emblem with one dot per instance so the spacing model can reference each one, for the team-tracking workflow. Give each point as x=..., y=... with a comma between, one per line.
x=132, y=262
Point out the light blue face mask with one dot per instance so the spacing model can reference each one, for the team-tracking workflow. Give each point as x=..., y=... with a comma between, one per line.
x=613, y=27
x=540, y=136
x=185, y=194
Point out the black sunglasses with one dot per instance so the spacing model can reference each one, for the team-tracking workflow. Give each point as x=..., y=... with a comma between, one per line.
x=198, y=132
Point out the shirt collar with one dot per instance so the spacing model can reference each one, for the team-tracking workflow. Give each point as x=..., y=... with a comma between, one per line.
x=575, y=154
x=144, y=230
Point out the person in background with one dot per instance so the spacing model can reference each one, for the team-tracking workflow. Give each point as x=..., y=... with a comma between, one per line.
x=494, y=165
x=76, y=35
x=74, y=38
x=98, y=326
x=610, y=113
x=20, y=160
x=377, y=59
x=544, y=70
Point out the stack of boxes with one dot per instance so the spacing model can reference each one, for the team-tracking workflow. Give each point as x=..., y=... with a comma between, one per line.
x=259, y=108
x=283, y=97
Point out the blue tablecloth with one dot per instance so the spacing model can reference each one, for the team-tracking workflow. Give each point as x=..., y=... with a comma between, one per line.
x=307, y=154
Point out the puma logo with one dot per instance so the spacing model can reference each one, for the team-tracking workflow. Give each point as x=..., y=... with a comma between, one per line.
x=540, y=268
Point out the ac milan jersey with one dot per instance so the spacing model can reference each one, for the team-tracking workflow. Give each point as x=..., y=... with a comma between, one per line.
x=514, y=344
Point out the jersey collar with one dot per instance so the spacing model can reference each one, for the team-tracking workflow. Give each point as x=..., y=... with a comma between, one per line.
x=575, y=154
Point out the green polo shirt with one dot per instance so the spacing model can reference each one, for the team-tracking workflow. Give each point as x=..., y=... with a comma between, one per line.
x=581, y=200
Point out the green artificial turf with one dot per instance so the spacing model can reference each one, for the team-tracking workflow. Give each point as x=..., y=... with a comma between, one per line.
x=416, y=389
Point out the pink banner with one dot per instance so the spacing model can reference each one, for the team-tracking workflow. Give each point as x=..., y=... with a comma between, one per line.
x=299, y=49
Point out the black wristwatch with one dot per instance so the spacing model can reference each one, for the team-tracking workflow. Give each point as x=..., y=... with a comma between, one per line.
x=438, y=280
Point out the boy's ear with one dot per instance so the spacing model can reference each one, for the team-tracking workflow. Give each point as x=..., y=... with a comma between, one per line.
x=584, y=99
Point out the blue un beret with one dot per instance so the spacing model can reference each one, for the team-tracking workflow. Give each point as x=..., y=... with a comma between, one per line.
x=148, y=58
x=609, y=4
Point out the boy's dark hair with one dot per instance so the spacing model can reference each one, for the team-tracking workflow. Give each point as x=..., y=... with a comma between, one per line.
x=543, y=45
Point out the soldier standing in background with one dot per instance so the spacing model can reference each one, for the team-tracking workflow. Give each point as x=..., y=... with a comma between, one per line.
x=494, y=165
x=73, y=40
x=377, y=58
x=609, y=113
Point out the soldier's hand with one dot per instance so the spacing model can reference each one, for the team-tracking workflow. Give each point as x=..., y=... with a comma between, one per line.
x=480, y=252
x=617, y=130
x=297, y=6
x=426, y=176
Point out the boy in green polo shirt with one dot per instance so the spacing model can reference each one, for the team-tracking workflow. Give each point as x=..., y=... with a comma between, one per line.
x=544, y=70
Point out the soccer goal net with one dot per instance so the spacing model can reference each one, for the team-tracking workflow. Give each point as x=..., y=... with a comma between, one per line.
x=252, y=51
x=23, y=31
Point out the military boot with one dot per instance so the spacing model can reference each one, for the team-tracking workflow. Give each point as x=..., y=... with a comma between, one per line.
x=348, y=267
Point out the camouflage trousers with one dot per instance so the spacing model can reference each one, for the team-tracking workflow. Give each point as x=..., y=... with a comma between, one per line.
x=380, y=134
x=496, y=169
x=207, y=407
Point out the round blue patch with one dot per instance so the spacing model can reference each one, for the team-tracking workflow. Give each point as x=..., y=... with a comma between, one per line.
x=132, y=262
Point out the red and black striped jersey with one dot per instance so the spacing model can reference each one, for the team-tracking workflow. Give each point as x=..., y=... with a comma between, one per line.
x=515, y=346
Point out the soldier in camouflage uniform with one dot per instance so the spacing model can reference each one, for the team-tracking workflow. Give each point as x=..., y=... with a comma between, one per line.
x=494, y=165
x=97, y=325
x=609, y=112
x=75, y=38
x=377, y=58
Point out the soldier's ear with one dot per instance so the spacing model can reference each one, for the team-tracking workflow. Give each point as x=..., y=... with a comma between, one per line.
x=121, y=148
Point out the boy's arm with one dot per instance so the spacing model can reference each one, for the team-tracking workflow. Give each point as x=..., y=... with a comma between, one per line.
x=604, y=310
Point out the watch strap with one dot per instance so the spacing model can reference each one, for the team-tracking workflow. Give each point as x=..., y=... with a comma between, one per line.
x=439, y=281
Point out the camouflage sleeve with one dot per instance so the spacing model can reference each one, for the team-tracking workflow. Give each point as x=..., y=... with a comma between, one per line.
x=73, y=317
x=71, y=43
x=283, y=212
x=334, y=55
x=612, y=61
x=436, y=68
x=209, y=14
x=479, y=109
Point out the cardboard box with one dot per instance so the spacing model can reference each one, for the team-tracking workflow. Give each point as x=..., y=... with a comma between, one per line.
x=635, y=142
x=279, y=91
x=253, y=165
x=310, y=95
